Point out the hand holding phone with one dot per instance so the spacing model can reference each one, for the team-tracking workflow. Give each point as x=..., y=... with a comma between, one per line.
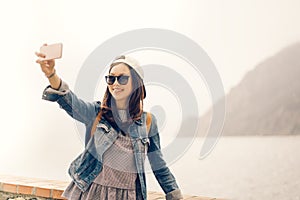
x=53, y=51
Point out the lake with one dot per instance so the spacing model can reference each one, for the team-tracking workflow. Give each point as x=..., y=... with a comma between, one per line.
x=246, y=168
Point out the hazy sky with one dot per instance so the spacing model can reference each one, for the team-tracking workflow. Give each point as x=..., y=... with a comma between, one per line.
x=236, y=35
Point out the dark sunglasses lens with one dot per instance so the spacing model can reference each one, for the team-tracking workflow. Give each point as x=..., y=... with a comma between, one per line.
x=110, y=79
x=123, y=80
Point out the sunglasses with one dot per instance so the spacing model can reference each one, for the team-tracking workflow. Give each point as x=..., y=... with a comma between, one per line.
x=123, y=79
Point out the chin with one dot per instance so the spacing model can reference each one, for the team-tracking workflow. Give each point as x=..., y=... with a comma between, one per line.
x=119, y=98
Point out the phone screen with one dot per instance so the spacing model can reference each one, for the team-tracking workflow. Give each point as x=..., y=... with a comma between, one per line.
x=53, y=51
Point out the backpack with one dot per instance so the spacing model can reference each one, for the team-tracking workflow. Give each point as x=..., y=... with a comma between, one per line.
x=148, y=121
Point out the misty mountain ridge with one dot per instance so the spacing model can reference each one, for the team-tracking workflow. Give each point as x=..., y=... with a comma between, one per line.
x=266, y=101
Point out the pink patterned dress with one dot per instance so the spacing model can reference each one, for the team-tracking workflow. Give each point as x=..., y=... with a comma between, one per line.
x=117, y=180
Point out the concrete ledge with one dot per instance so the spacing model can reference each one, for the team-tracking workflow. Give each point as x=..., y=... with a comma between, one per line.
x=32, y=187
x=24, y=188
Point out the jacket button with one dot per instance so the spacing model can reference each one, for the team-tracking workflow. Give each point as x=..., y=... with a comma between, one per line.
x=145, y=140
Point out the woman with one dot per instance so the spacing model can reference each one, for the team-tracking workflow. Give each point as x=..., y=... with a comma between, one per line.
x=118, y=136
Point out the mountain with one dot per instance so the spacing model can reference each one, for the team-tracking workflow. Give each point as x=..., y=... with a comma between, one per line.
x=266, y=101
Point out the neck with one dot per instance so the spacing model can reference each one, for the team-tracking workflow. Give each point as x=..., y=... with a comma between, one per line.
x=121, y=104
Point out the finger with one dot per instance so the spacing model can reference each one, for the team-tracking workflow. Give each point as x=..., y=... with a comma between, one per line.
x=38, y=61
x=40, y=54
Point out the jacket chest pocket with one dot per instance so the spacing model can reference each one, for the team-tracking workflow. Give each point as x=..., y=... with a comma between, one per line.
x=104, y=137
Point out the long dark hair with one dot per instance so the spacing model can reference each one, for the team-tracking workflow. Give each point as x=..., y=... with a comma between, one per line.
x=108, y=106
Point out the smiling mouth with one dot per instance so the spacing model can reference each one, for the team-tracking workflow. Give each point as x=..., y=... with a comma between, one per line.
x=117, y=90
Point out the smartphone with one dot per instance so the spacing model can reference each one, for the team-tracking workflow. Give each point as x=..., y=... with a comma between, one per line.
x=52, y=51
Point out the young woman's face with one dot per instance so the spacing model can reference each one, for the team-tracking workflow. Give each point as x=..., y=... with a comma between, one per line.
x=118, y=91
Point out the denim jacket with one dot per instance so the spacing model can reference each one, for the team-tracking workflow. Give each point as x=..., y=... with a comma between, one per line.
x=87, y=166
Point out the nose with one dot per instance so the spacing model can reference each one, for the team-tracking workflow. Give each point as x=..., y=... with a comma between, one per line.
x=116, y=82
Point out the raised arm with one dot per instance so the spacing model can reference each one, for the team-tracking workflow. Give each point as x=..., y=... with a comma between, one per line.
x=47, y=66
x=59, y=92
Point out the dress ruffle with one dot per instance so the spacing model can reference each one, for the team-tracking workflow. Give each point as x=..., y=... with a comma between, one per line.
x=99, y=192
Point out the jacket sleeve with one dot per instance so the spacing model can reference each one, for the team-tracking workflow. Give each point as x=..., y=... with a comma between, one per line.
x=74, y=106
x=158, y=165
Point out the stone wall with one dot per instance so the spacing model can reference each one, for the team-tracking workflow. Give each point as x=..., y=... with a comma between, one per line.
x=13, y=196
x=23, y=188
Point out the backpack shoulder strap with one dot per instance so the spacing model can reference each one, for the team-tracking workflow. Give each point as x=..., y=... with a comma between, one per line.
x=148, y=121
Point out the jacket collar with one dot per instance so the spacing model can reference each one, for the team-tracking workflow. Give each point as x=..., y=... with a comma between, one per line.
x=141, y=120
